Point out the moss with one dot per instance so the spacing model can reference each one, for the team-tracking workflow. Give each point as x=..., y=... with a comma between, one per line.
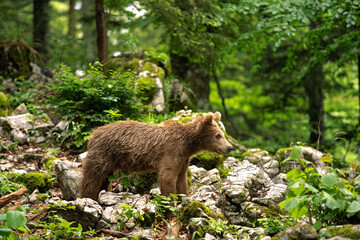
x=348, y=231
x=42, y=196
x=144, y=182
x=248, y=153
x=146, y=87
x=280, y=154
x=152, y=68
x=48, y=161
x=185, y=120
x=37, y=180
x=208, y=160
x=224, y=172
x=4, y=105
x=195, y=209
x=122, y=65
x=189, y=177
x=265, y=212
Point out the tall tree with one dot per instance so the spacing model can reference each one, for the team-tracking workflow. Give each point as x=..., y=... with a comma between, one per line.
x=198, y=32
x=72, y=21
x=102, y=39
x=88, y=29
x=41, y=27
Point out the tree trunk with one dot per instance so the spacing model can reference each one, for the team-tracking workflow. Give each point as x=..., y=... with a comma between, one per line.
x=41, y=27
x=71, y=31
x=102, y=44
x=88, y=29
x=313, y=84
x=193, y=74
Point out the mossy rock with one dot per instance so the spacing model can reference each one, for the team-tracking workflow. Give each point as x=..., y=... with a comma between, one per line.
x=37, y=180
x=144, y=182
x=4, y=105
x=280, y=154
x=122, y=65
x=146, y=87
x=48, y=162
x=195, y=209
x=255, y=211
x=42, y=197
x=348, y=231
x=207, y=160
x=154, y=70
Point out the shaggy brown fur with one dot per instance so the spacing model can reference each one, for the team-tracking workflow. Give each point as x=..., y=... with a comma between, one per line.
x=138, y=147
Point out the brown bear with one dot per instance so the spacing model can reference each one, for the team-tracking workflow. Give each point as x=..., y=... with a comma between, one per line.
x=138, y=147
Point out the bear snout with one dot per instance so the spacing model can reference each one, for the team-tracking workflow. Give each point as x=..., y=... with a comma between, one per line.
x=230, y=149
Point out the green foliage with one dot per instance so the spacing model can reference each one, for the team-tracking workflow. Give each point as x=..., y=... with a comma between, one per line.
x=144, y=182
x=125, y=179
x=7, y=186
x=128, y=213
x=4, y=105
x=12, y=220
x=277, y=224
x=165, y=204
x=327, y=197
x=59, y=228
x=86, y=102
x=37, y=180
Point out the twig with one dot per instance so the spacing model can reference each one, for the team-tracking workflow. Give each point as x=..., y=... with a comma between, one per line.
x=113, y=233
x=12, y=196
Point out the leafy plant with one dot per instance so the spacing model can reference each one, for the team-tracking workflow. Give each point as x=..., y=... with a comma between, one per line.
x=165, y=204
x=93, y=100
x=7, y=186
x=127, y=213
x=12, y=220
x=277, y=224
x=59, y=228
x=327, y=197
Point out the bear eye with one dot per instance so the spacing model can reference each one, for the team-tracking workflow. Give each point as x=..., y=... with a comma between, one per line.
x=218, y=136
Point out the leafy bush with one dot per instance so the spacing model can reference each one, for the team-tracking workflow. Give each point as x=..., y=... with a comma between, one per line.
x=93, y=100
x=327, y=197
x=12, y=220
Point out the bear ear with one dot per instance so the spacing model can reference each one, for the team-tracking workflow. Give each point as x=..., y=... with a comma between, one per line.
x=217, y=117
x=208, y=119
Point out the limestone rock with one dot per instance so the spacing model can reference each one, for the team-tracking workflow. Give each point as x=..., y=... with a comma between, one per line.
x=21, y=109
x=68, y=175
x=299, y=232
x=87, y=212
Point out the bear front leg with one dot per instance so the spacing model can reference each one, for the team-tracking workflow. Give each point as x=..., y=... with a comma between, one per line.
x=167, y=181
x=94, y=179
x=182, y=182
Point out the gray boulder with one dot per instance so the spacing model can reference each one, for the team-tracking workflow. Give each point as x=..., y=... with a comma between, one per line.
x=68, y=175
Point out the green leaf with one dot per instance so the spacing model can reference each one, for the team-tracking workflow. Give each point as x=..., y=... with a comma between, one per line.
x=295, y=153
x=5, y=232
x=311, y=188
x=326, y=159
x=330, y=201
x=354, y=207
x=15, y=219
x=329, y=179
x=292, y=204
x=295, y=174
x=317, y=225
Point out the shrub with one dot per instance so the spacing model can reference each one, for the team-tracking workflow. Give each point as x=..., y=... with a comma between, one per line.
x=327, y=197
x=91, y=101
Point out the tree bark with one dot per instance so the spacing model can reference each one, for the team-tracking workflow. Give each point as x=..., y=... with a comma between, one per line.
x=12, y=196
x=88, y=29
x=102, y=40
x=41, y=27
x=314, y=83
x=71, y=31
x=195, y=75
